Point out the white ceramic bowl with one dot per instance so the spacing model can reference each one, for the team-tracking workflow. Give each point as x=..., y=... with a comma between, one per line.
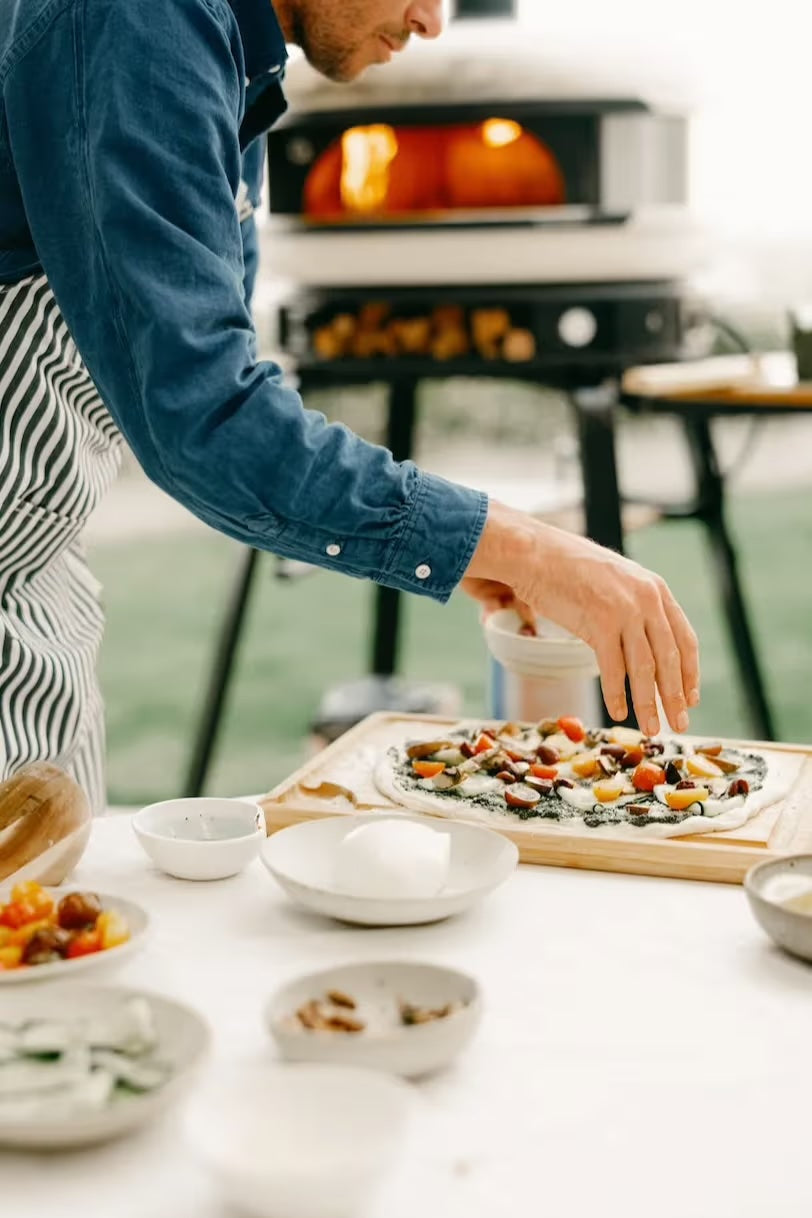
x=386, y=1043
x=184, y=1040
x=137, y=920
x=305, y=1141
x=768, y=885
x=201, y=839
x=553, y=652
x=301, y=859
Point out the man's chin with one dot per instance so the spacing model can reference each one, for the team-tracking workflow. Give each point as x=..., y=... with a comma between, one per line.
x=341, y=73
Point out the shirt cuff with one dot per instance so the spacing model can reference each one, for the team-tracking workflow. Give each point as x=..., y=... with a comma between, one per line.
x=438, y=539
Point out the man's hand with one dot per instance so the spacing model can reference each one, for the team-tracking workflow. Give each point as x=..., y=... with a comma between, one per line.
x=626, y=614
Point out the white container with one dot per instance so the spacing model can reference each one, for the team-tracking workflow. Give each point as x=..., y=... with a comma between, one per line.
x=551, y=652
x=201, y=839
x=300, y=1141
x=302, y=861
x=386, y=1043
x=183, y=1043
x=545, y=677
x=137, y=920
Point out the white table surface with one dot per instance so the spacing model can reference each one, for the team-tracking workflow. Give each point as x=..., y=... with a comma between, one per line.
x=645, y=1051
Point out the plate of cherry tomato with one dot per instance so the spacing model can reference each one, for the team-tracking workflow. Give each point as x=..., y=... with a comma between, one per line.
x=46, y=933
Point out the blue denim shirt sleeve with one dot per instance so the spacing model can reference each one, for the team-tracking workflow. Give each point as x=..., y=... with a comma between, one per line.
x=129, y=163
x=252, y=167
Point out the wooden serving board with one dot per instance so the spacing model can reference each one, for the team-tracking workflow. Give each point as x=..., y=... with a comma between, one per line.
x=339, y=781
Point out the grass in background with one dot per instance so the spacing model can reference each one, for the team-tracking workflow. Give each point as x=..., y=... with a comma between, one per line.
x=165, y=599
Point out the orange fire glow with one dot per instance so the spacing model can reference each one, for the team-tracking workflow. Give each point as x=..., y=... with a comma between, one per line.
x=499, y=132
x=367, y=155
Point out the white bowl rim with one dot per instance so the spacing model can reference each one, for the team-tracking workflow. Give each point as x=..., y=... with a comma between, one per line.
x=495, y=622
x=401, y=1090
x=123, y=993
x=754, y=878
x=258, y=831
x=395, y=903
x=276, y=1022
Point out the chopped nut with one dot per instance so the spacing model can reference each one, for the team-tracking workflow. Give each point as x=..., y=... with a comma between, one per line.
x=411, y=1015
x=739, y=786
x=343, y=1023
x=311, y=1017
x=339, y=999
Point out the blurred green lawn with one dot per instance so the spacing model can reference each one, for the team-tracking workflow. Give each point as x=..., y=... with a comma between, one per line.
x=165, y=599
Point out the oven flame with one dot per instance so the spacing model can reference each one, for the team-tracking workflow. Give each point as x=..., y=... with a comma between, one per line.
x=367, y=155
x=499, y=132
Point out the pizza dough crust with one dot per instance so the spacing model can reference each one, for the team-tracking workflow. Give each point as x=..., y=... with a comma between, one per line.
x=777, y=786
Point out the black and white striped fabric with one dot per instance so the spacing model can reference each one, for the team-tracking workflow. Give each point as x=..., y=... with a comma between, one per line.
x=59, y=452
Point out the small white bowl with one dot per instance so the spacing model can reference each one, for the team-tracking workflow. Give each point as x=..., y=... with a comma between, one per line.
x=768, y=885
x=386, y=1043
x=553, y=652
x=304, y=1141
x=201, y=839
x=301, y=859
x=183, y=1042
x=137, y=920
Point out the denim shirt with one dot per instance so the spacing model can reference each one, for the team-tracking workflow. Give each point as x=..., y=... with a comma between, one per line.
x=126, y=130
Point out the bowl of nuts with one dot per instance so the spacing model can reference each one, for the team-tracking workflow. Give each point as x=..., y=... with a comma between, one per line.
x=402, y=1018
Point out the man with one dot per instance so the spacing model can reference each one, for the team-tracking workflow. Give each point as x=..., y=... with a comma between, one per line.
x=130, y=156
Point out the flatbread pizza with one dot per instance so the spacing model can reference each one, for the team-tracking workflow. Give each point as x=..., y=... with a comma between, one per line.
x=560, y=776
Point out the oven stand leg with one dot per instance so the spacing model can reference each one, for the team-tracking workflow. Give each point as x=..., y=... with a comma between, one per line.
x=595, y=419
x=710, y=499
x=220, y=676
x=400, y=434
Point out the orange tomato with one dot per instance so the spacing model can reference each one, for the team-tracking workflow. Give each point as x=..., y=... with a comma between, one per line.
x=680, y=800
x=484, y=743
x=35, y=895
x=84, y=944
x=428, y=769
x=20, y=936
x=10, y=957
x=111, y=929
x=572, y=728
x=647, y=776
x=543, y=771
x=17, y=914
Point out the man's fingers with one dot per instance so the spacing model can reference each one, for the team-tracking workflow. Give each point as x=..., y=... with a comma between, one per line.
x=688, y=648
x=668, y=667
x=613, y=677
x=642, y=670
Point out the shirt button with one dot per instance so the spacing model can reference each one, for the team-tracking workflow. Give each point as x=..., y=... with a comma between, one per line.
x=334, y=550
x=423, y=571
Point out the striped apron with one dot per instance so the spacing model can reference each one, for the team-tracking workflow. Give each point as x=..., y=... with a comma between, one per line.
x=59, y=452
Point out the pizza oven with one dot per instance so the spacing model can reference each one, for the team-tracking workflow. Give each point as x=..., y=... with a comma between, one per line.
x=458, y=211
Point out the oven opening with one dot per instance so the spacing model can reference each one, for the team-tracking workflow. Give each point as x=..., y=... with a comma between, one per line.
x=385, y=172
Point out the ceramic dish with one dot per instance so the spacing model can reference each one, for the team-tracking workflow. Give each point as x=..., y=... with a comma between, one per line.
x=417, y=1018
x=182, y=1041
x=283, y=1141
x=551, y=652
x=769, y=886
x=201, y=839
x=137, y=921
x=301, y=859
